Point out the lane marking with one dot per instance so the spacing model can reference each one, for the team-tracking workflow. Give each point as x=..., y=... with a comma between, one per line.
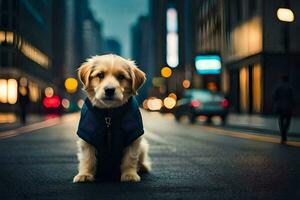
x=39, y=125
x=249, y=136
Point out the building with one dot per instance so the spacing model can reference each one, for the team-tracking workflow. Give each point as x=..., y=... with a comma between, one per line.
x=173, y=44
x=259, y=50
x=209, y=37
x=142, y=51
x=25, y=50
x=111, y=46
x=256, y=49
x=42, y=43
x=58, y=41
x=92, y=36
x=79, y=37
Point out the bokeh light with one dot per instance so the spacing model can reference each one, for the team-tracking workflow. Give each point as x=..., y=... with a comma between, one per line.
x=12, y=91
x=51, y=102
x=145, y=104
x=285, y=15
x=23, y=82
x=7, y=118
x=154, y=104
x=23, y=91
x=166, y=72
x=80, y=103
x=49, y=92
x=169, y=102
x=65, y=103
x=71, y=85
x=186, y=84
x=173, y=95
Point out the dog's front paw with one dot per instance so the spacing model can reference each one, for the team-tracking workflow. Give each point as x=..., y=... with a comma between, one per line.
x=130, y=177
x=79, y=178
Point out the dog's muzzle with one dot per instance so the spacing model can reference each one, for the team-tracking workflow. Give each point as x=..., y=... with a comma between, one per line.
x=109, y=93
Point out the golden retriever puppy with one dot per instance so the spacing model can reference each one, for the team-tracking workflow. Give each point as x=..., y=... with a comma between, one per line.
x=111, y=144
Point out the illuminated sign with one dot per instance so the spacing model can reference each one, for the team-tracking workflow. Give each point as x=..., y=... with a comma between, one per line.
x=172, y=38
x=208, y=64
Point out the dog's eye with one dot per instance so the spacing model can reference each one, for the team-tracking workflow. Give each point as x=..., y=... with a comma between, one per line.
x=101, y=75
x=120, y=77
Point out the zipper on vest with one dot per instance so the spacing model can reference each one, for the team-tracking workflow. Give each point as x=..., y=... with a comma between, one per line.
x=108, y=126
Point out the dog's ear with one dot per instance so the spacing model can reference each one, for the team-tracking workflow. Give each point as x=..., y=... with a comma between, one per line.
x=84, y=72
x=137, y=75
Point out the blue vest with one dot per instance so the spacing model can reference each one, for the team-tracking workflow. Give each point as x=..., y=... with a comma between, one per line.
x=110, y=131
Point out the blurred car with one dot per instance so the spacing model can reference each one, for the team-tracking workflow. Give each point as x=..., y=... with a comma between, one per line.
x=201, y=102
x=52, y=105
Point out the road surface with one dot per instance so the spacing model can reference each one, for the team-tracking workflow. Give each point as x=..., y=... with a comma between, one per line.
x=189, y=162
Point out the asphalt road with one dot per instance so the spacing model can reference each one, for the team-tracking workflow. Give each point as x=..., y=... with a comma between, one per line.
x=189, y=162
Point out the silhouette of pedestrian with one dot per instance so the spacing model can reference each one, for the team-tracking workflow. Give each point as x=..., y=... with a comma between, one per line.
x=23, y=103
x=283, y=98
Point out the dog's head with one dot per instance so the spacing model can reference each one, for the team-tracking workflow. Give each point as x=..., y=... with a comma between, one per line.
x=110, y=80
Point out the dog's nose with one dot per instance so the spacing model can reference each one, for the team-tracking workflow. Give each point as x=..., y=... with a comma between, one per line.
x=109, y=91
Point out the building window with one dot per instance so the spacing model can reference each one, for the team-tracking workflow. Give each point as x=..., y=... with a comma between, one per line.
x=244, y=89
x=225, y=81
x=257, y=88
x=172, y=38
x=34, y=92
x=8, y=91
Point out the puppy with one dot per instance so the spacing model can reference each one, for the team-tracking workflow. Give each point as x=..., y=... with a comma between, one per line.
x=110, y=144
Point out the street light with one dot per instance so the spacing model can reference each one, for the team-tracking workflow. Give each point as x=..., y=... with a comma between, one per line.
x=285, y=15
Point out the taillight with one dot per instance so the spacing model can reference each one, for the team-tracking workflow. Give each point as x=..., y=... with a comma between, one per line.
x=51, y=102
x=225, y=103
x=195, y=103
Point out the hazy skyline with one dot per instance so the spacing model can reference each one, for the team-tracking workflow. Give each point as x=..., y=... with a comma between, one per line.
x=117, y=18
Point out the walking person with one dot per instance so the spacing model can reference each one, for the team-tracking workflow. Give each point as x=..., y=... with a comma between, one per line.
x=23, y=103
x=284, y=102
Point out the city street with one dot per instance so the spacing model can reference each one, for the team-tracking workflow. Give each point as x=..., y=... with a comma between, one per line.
x=189, y=162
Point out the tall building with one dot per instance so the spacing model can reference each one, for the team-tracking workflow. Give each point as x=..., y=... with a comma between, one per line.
x=142, y=51
x=58, y=43
x=43, y=42
x=209, y=36
x=172, y=24
x=111, y=46
x=92, y=36
x=80, y=37
x=25, y=49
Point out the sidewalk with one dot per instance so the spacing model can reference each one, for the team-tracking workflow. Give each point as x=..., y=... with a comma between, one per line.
x=12, y=121
x=261, y=123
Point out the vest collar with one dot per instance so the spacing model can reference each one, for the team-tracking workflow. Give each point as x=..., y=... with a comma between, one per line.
x=105, y=111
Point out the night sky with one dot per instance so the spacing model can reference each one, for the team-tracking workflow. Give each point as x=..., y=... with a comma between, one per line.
x=117, y=17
